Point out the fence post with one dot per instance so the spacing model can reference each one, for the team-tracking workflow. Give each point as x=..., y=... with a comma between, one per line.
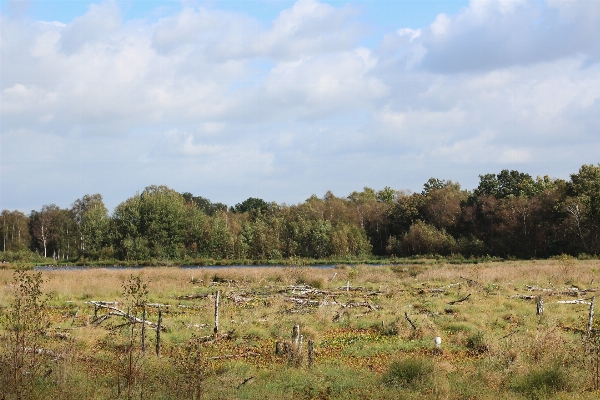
x=144, y=329
x=591, y=316
x=296, y=334
x=158, y=332
x=311, y=353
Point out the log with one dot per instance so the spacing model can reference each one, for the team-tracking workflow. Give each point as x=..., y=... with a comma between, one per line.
x=578, y=301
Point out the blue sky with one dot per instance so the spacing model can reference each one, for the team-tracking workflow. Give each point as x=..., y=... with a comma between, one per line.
x=285, y=99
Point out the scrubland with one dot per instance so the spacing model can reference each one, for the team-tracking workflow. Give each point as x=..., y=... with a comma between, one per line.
x=56, y=344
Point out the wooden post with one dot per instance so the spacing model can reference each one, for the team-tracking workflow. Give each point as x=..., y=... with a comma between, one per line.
x=591, y=317
x=300, y=345
x=158, y=332
x=540, y=306
x=311, y=353
x=216, y=330
x=278, y=348
x=144, y=329
x=296, y=334
x=347, y=286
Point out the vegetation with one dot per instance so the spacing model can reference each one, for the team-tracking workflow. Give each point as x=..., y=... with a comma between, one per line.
x=509, y=215
x=92, y=333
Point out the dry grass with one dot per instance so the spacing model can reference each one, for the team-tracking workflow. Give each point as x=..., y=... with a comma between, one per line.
x=494, y=334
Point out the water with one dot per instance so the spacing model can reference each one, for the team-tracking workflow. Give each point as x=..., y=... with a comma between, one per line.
x=137, y=267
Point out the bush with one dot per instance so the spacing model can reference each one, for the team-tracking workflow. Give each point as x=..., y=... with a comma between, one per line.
x=542, y=382
x=476, y=343
x=426, y=239
x=410, y=373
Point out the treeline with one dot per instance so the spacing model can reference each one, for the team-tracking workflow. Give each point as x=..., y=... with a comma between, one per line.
x=509, y=214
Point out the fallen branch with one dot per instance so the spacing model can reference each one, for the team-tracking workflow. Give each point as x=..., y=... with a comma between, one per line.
x=459, y=300
x=510, y=334
x=116, y=312
x=192, y=296
x=578, y=301
x=245, y=381
x=523, y=297
x=409, y=320
x=250, y=353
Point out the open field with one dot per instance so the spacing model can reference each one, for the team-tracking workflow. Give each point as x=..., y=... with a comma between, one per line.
x=493, y=343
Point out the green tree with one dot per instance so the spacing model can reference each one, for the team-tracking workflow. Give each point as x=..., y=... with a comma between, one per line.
x=585, y=186
x=506, y=183
x=91, y=218
x=251, y=204
x=15, y=232
x=128, y=239
x=162, y=222
x=203, y=204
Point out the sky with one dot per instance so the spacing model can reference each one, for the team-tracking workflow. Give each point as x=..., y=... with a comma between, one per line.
x=282, y=99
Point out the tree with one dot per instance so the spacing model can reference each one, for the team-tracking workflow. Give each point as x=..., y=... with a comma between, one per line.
x=405, y=211
x=386, y=195
x=128, y=239
x=251, y=204
x=15, y=234
x=162, y=221
x=442, y=205
x=43, y=227
x=585, y=186
x=91, y=217
x=433, y=184
x=203, y=204
x=506, y=183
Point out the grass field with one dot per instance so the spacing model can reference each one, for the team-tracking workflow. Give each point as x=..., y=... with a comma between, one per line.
x=493, y=345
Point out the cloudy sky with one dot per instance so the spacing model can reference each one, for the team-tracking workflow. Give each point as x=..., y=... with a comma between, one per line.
x=280, y=99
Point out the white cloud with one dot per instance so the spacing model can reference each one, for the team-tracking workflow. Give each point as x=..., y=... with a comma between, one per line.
x=216, y=103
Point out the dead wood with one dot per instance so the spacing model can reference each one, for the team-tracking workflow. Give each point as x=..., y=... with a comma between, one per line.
x=245, y=381
x=225, y=356
x=578, y=301
x=409, y=320
x=523, y=297
x=459, y=300
x=116, y=312
x=192, y=296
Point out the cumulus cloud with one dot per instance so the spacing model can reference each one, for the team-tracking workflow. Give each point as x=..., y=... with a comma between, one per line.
x=491, y=34
x=223, y=105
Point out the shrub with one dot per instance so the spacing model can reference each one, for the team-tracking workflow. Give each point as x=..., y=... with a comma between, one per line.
x=426, y=239
x=542, y=382
x=476, y=343
x=25, y=324
x=410, y=373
